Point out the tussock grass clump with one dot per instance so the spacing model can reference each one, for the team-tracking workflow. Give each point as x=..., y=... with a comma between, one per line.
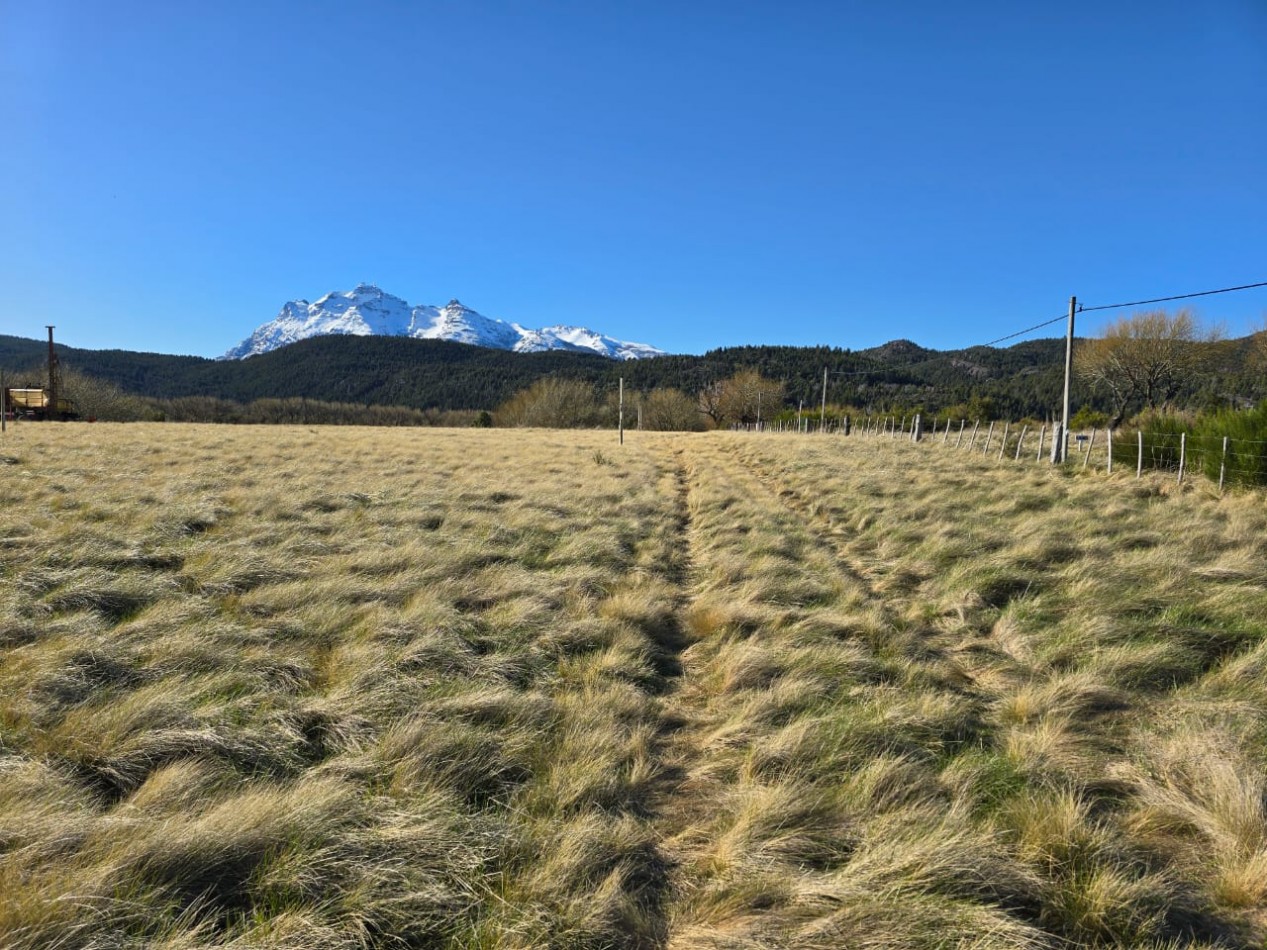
x=286, y=688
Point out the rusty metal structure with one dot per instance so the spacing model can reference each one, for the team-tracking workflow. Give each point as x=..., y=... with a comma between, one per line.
x=40, y=404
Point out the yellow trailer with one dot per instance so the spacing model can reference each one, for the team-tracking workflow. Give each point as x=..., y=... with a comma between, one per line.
x=36, y=404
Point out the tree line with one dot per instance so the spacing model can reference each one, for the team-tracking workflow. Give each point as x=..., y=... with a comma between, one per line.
x=1145, y=361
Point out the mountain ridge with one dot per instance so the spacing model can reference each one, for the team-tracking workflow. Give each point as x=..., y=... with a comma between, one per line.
x=368, y=310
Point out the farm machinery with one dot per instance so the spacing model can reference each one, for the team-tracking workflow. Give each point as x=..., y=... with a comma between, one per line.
x=43, y=403
x=37, y=404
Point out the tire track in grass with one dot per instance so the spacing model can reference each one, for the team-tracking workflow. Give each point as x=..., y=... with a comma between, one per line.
x=658, y=604
x=710, y=814
x=782, y=488
x=805, y=690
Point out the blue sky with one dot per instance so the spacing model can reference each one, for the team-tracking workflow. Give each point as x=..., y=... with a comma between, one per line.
x=691, y=174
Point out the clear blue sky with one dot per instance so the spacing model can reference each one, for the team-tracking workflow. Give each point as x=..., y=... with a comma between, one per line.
x=689, y=174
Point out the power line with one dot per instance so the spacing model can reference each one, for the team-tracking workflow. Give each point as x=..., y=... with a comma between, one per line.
x=1047, y=323
x=1037, y=326
x=1140, y=303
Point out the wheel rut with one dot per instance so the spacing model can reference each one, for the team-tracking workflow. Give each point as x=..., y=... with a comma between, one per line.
x=673, y=750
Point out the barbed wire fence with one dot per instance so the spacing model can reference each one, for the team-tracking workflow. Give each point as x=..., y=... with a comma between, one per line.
x=1222, y=458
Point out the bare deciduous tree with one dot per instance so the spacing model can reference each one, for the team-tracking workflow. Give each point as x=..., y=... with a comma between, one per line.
x=1143, y=359
x=741, y=398
x=670, y=410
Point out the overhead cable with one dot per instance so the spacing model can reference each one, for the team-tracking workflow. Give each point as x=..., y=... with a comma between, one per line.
x=1202, y=293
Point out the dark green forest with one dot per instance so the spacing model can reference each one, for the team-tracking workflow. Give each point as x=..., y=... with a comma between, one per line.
x=1017, y=381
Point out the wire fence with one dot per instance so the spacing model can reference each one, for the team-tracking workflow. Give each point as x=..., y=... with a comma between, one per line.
x=1223, y=459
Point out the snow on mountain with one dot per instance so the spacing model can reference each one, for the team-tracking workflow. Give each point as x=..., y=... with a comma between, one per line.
x=368, y=311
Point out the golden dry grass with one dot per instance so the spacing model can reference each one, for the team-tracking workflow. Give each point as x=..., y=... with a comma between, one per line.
x=293, y=687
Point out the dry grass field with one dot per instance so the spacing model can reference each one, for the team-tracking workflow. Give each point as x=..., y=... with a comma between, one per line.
x=306, y=688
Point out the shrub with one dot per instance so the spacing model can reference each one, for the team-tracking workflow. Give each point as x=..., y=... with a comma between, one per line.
x=553, y=403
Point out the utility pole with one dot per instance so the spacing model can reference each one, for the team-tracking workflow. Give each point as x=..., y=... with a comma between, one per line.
x=622, y=410
x=822, y=412
x=51, y=412
x=1061, y=441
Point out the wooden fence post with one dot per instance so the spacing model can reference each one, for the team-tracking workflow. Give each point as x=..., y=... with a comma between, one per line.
x=1109, y=434
x=1042, y=431
x=1223, y=465
x=945, y=436
x=1090, y=442
x=1139, y=460
x=989, y=434
x=962, y=423
x=973, y=441
x=1019, y=442
x=1003, y=446
x=1183, y=448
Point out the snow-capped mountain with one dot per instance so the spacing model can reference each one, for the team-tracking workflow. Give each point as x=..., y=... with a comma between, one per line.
x=368, y=311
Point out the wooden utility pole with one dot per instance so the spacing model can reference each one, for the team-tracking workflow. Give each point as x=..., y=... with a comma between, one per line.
x=822, y=412
x=622, y=410
x=51, y=412
x=1061, y=441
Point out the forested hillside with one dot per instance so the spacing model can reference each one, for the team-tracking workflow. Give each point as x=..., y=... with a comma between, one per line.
x=1024, y=379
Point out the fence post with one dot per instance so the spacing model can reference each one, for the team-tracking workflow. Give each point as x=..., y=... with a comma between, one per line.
x=1109, y=435
x=1003, y=447
x=1139, y=462
x=1090, y=442
x=1058, y=446
x=973, y=441
x=962, y=423
x=989, y=434
x=945, y=436
x=1019, y=442
x=1183, y=448
x=1042, y=431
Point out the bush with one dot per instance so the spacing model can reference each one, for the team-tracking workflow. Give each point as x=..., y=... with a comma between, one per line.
x=670, y=410
x=97, y=399
x=1246, y=432
x=1088, y=418
x=1201, y=438
x=553, y=403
